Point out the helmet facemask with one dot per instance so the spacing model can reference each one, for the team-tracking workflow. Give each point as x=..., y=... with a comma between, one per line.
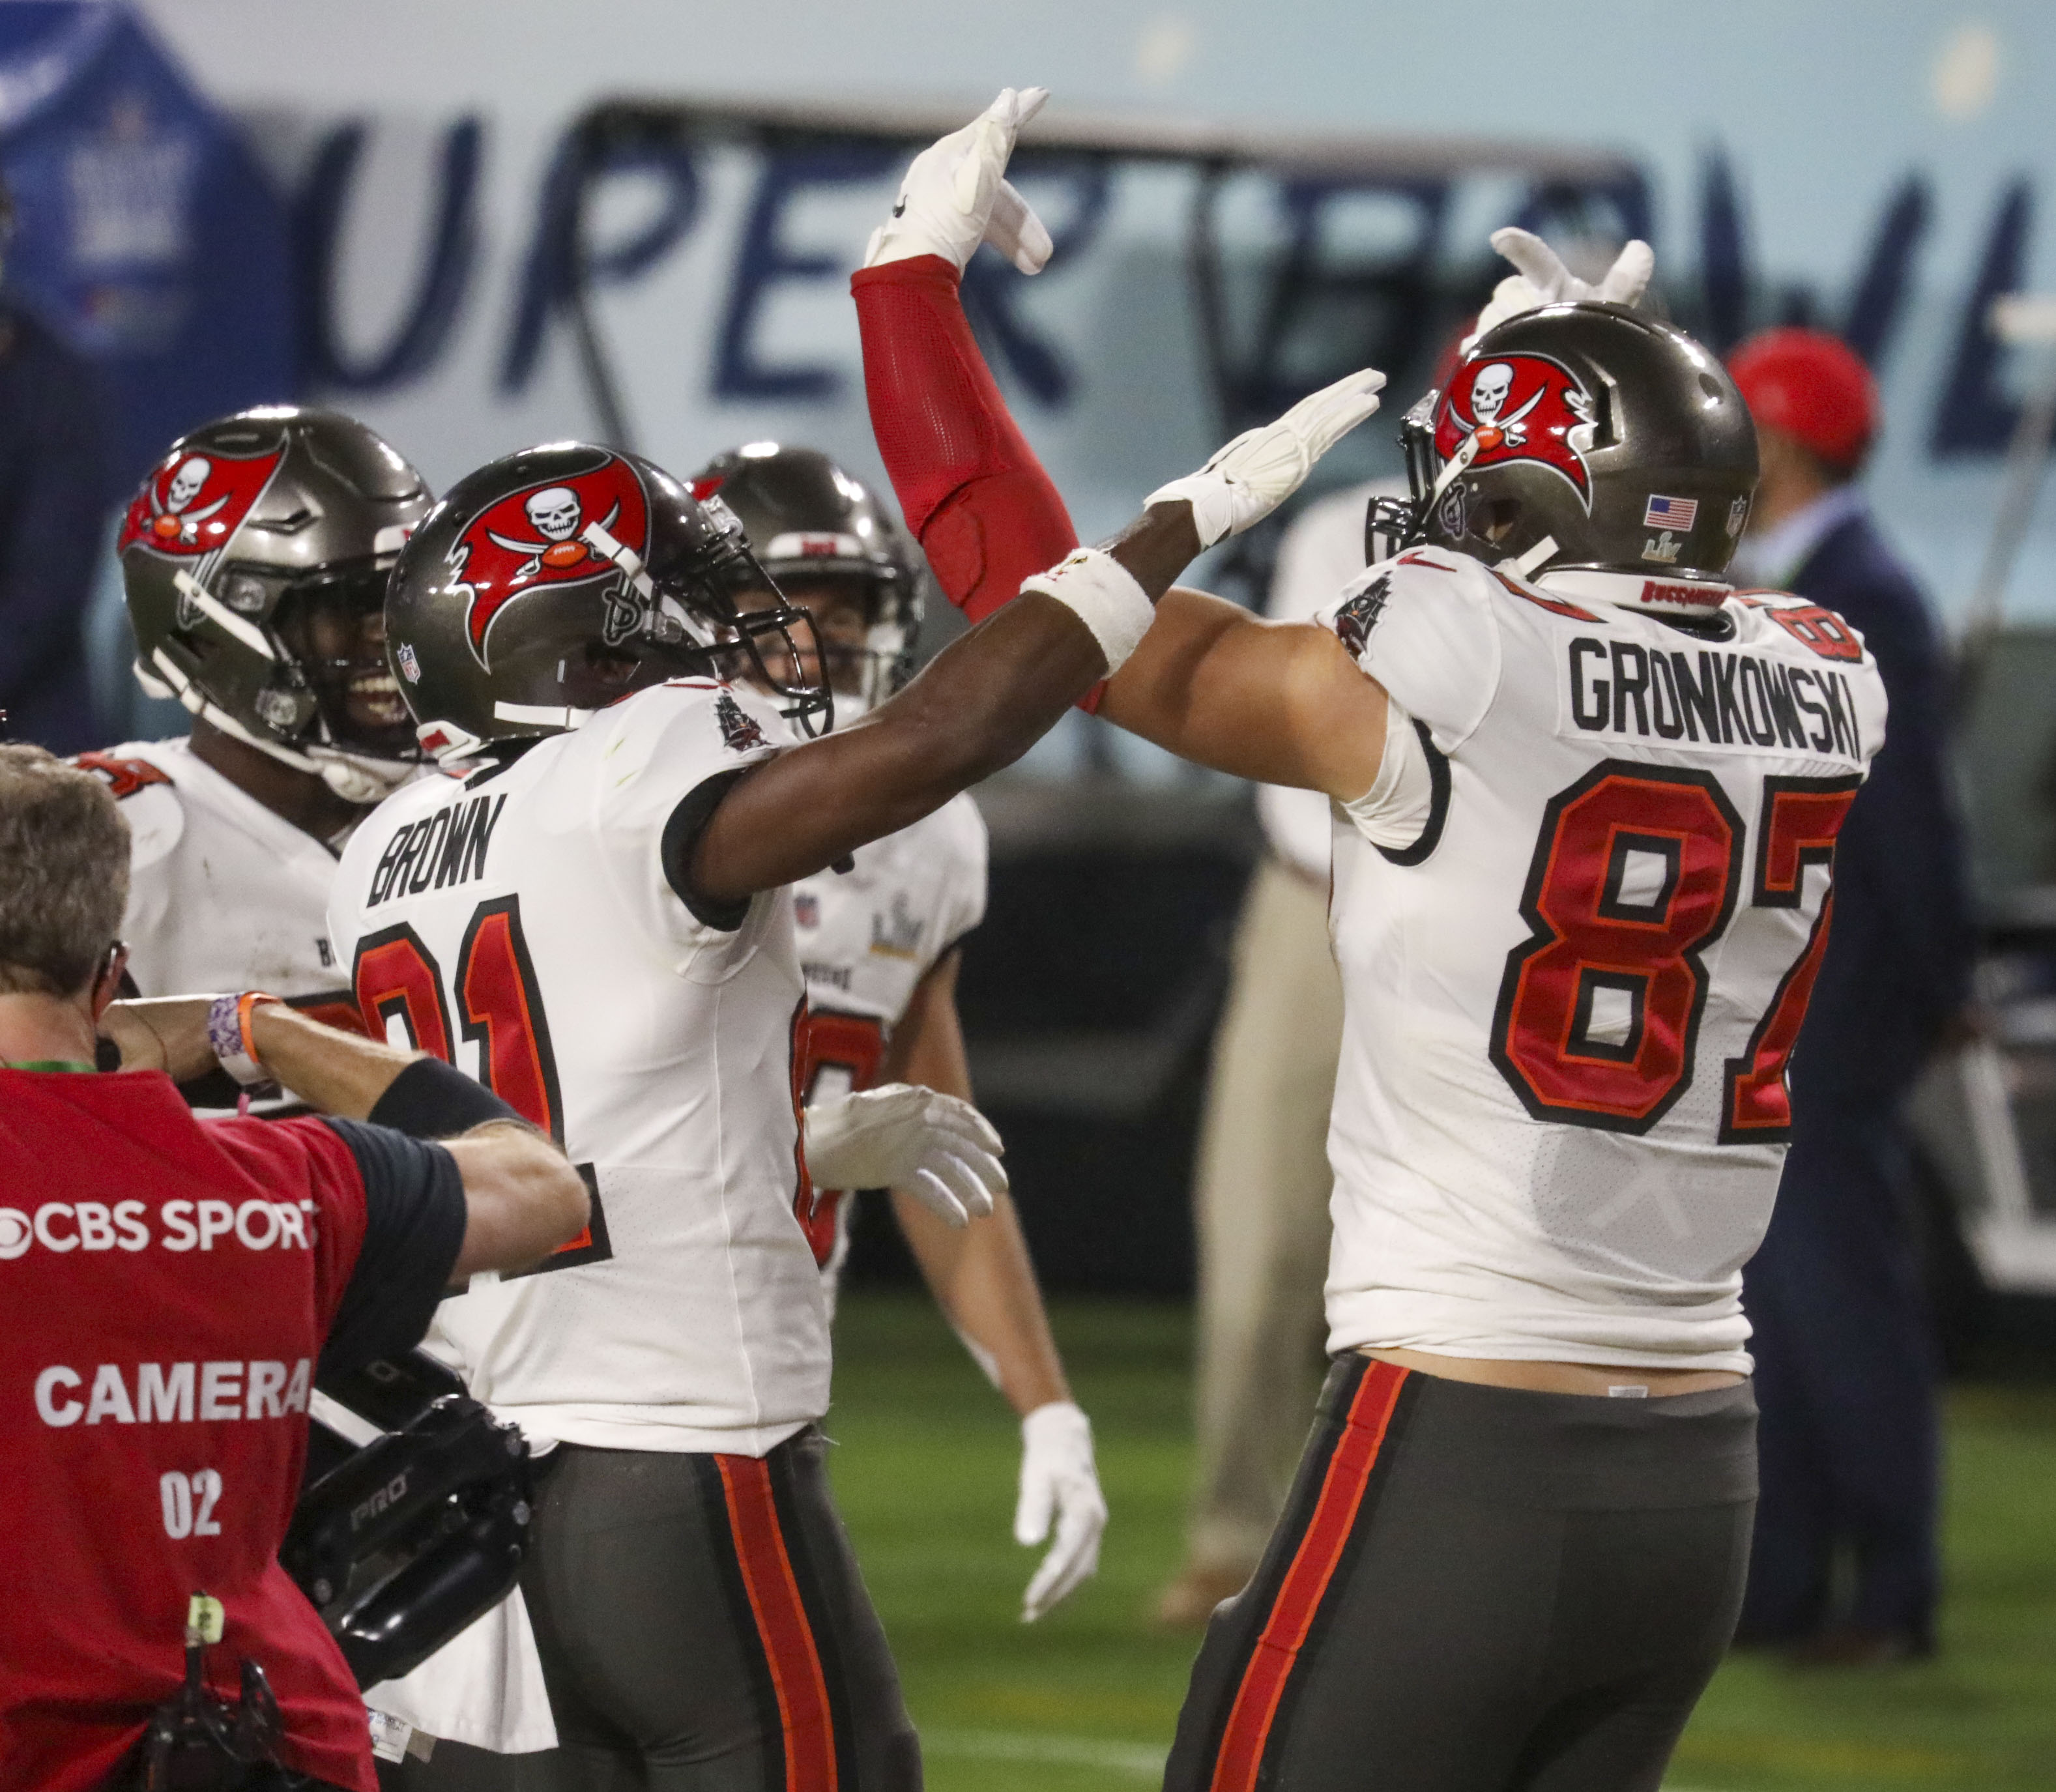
x=334, y=628
x=859, y=644
x=1392, y=525
x=702, y=616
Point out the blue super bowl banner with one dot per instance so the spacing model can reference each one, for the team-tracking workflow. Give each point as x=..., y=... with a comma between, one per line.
x=147, y=236
x=473, y=276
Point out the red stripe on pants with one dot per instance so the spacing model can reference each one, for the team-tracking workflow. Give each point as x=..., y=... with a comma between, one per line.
x=781, y=1625
x=1299, y=1593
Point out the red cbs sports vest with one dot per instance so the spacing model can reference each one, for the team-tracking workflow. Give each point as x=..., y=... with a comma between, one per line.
x=165, y=1286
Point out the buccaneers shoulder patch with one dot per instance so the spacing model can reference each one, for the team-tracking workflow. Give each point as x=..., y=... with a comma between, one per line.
x=1356, y=619
x=124, y=776
x=739, y=732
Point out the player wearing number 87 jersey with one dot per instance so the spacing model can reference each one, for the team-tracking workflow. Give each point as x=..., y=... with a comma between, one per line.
x=1587, y=797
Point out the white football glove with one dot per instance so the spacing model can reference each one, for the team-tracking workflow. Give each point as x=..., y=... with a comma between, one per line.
x=941, y=1151
x=956, y=195
x=1544, y=280
x=1059, y=1481
x=1257, y=472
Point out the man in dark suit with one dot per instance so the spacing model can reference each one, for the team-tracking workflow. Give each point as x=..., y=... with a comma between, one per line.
x=1847, y=1369
x=53, y=521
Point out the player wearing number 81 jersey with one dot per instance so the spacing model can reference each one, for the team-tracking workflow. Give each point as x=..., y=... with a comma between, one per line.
x=521, y=919
x=521, y=913
x=592, y=912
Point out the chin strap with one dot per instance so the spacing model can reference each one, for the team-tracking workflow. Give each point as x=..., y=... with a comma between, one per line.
x=361, y=779
x=355, y=777
x=1525, y=566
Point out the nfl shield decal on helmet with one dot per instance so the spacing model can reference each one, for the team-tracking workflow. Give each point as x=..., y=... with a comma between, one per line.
x=543, y=536
x=1519, y=407
x=192, y=503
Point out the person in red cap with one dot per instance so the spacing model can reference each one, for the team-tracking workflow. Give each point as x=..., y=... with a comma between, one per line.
x=1846, y=1367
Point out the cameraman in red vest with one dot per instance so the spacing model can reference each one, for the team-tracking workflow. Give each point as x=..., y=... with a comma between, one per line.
x=167, y=1288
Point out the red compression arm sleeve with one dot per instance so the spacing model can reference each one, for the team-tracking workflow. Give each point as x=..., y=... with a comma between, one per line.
x=975, y=497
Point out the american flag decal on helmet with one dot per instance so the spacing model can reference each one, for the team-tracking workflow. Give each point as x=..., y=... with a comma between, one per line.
x=1669, y=513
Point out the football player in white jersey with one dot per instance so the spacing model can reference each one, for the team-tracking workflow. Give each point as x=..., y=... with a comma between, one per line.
x=254, y=559
x=878, y=946
x=1585, y=796
x=593, y=910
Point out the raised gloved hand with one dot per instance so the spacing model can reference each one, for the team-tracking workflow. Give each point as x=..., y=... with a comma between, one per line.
x=941, y=1150
x=956, y=195
x=1058, y=1482
x=1543, y=280
x=1257, y=472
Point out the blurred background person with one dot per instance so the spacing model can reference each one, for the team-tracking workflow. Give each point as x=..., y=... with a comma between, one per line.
x=52, y=474
x=1847, y=1364
x=1260, y=1193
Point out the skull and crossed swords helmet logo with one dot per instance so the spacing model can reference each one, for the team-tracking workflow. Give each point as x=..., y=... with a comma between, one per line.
x=555, y=514
x=1489, y=392
x=173, y=518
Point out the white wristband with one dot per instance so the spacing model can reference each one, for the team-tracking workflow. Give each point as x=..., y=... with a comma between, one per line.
x=1105, y=597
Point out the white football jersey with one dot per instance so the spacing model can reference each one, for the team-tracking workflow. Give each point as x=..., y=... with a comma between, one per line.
x=223, y=894
x=867, y=938
x=520, y=923
x=1561, y=1112
x=1319, y=555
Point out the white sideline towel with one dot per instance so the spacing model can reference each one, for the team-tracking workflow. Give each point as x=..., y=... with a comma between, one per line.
x=484, y=1686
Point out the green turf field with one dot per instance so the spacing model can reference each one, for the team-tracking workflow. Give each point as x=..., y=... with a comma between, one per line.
x=1085, y=1700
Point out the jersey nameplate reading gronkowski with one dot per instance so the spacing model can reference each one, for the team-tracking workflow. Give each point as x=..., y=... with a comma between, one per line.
x=443, y=849
x=1708, y=697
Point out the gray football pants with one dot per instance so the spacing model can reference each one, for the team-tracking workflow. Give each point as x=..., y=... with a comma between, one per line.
x=1261, y=1206
x=703, y=1627
x=1479, y=1589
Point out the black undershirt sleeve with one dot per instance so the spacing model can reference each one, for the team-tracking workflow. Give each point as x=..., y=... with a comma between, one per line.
x=681, y=834
x=432, y=1100
x=414, y=1222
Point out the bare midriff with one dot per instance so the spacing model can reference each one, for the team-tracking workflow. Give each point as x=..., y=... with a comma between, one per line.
x=1558, y=1378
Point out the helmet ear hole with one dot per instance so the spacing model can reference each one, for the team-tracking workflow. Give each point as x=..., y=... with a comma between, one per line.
x=1712, y=388
x=1498, y=520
